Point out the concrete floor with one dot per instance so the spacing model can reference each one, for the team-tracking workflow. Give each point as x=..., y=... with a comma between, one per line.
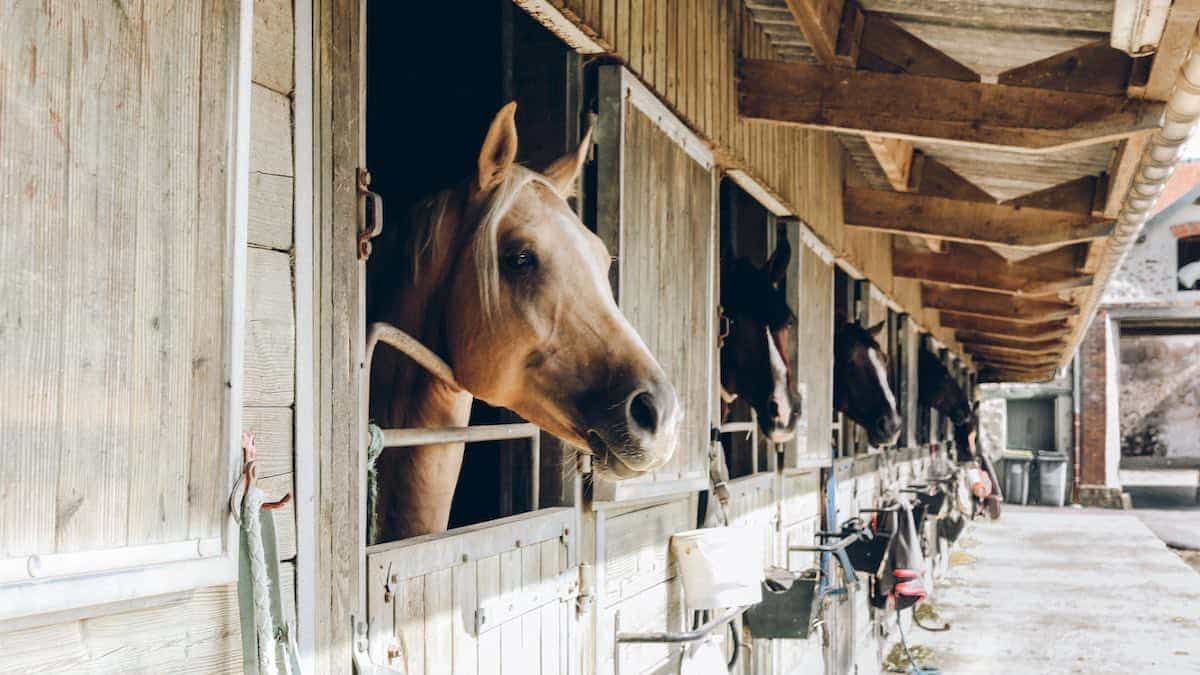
x=1047, y=590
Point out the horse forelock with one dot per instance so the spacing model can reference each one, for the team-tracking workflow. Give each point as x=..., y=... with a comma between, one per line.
x=429, y=219
x=487, y=234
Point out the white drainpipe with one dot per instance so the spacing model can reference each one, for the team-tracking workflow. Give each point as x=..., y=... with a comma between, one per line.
x=1158, y=162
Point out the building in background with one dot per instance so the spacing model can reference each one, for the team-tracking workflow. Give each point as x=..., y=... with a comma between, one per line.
x=1140, y=371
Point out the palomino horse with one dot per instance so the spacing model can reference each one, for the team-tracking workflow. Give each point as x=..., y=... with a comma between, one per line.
x=860, y=384
x=756, y=322
x=502, y=280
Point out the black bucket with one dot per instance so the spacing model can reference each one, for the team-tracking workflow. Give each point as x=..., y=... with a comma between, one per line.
x=785, y=614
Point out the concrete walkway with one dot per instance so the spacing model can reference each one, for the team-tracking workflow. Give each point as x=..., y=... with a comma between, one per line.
x=1047, y=590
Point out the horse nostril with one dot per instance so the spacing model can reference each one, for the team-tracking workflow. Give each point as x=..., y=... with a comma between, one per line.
x=773, y=409
x=643, y=412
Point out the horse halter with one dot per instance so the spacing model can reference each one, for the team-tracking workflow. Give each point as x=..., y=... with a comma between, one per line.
x=726, y=327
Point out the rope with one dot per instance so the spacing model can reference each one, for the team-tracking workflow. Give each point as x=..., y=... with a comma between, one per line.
x=913, y=668
x=264, y=626
x=374, y=449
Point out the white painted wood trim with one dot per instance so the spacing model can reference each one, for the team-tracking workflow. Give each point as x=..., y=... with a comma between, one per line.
x=34, y=568
x=545, y=13
x=760, y=192
x=883, y=298
x=625, y=493
x=814, y=243
x=60, y=595
x=422, y=555
x=645, y=101
x=305, y=433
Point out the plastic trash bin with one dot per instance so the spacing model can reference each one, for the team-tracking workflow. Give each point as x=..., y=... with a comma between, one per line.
x=1016, y=476
x=1052, y=478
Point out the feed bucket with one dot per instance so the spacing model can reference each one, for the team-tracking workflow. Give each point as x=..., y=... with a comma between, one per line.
x=720, y=566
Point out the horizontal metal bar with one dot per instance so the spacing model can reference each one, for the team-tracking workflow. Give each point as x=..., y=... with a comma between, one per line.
x=730, y=427
x=685, y=636
x=828, y=548
x=403, y=438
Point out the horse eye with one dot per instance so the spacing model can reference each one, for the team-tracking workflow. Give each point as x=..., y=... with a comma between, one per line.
x=522, y=261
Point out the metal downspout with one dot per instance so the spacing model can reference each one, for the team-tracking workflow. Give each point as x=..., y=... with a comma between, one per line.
x=1157, y=163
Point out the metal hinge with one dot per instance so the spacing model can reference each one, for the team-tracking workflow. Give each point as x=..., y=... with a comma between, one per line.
x=372, y=214
x=585, y=588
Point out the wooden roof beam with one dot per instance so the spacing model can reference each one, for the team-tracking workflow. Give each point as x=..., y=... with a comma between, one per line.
x=1048, y=348
x=910, y=106
x=1051, y=345
x=972, y=267
x=1094, y=68
x=995, y=305
x=821, y=23
x=1004, y=329
x=968, y=221
x=895, y=157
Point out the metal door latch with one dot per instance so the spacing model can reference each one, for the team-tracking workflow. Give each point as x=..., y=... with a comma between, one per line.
x=372, y=214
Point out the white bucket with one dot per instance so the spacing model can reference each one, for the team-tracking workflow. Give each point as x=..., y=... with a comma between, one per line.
x=720, y=566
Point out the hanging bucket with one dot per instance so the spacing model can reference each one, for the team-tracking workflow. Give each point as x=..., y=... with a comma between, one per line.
x=787, y=607
x=721, y=566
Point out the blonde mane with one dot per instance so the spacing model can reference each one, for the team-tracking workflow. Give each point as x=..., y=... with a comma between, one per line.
x=429, y=215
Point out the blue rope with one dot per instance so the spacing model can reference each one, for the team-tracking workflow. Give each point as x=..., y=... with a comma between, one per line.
x=913, y=668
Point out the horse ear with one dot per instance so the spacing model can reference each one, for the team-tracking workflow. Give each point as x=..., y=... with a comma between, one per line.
x=876, y=329
x=778, y=264
x=499, y=149
x=564, y=171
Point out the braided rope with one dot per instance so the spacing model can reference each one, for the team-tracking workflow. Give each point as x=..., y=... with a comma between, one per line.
x=264, y=625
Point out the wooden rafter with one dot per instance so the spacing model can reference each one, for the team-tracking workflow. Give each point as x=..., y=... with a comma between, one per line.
x=1001, y=328
x=1084, y=195
x=984, y=345
x=821, y=22
x=999, y=305
x=970, y=222
x=895, y=157
x=1094, y=68
x=976, y=267
x=885, y=47
x=910, y=106
x=1052, y=346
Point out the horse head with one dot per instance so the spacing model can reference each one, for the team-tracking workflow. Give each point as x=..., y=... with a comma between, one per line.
x=754, y=362
x=860, y=384
x=531, y=323
x=964, y=435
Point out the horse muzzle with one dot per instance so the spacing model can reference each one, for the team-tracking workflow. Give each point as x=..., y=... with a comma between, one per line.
x=885, y=431
x=641, y=433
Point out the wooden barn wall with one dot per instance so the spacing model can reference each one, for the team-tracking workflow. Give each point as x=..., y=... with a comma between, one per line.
x=198, y=632
x=686, y=51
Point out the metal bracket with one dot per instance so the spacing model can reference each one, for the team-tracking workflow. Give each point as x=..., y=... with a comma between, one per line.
x=372, y=214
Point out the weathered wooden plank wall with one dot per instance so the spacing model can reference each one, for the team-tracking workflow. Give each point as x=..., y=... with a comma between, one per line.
x=195, y=632
x=686, y=51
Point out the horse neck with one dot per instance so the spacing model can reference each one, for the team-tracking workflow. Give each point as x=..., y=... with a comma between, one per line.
x=403, y=393
x=416, y=487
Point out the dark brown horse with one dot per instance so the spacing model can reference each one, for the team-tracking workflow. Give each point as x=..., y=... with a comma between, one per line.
x=860, y=384
x=754, y=361
x=938, y=389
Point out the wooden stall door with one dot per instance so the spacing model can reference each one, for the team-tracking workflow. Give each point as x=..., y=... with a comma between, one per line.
x=493, y=598
x=656, y=202
x=811, y=297
x=122, y=265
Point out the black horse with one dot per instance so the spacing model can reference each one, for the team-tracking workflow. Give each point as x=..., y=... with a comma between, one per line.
x=938, y=389
x=755, y=324
x=860, y=384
